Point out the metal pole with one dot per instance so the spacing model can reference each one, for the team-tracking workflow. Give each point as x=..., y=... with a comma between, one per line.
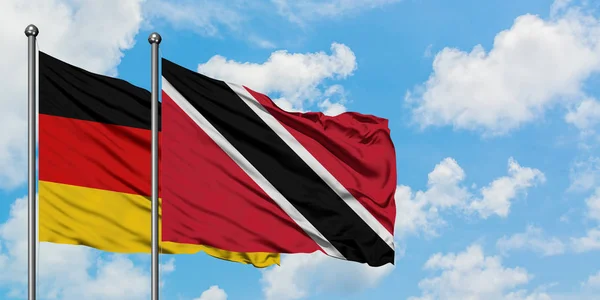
x=31, y=32
x=154, y=39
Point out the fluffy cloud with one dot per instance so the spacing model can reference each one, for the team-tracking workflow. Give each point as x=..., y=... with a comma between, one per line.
x=420, y=211
x=495, y=198
x=534, y=65
x=303, y=87
x=586, y=115
x=213, y=293
x=66, y=27
x=68, y=272
x=472, y=275
x=532, y=239
x=589, y=242
x=302, y=11
x=302, y=274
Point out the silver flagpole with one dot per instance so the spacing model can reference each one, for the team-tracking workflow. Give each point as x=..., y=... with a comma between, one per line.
x=154, y=39
x=31, y=32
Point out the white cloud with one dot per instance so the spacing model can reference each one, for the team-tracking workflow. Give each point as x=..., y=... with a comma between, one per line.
x=586, y=115
x=472, y=275
x=296, y=89
x=420, y=211
x=415, y=214
x=168, y=266
x=68, y=272
x=301, y=11
x=590, y=242
x=585, y=174
x=261, y=42
x=303, y=274
x=533, y=66
x=443, y=184
x=66, y=27
x=213, y=293
x=593, y=282
x=497, y=195
x=331, y=109
x=593, y=205
x=532, y=239
x=329, y=106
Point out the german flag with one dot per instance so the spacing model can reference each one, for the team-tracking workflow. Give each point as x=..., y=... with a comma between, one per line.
x=95, y=166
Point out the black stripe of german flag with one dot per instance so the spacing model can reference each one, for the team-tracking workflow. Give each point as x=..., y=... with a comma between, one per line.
x=94, y=164
x=75, y=93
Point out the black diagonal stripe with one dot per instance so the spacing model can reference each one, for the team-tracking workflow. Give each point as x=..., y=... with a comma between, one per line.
x=280, y=165
x=72, y=92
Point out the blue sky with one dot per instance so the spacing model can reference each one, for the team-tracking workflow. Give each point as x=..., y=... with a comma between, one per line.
x=493, y=110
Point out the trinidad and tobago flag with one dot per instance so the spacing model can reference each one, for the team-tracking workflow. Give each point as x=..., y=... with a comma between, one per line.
x=240, y=174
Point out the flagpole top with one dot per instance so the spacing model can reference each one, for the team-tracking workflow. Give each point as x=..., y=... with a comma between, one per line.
x=154, y=38
x=31, y=30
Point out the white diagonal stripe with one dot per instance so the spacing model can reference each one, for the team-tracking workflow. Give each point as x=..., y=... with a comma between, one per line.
x=247, y=167
x=313, y=163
